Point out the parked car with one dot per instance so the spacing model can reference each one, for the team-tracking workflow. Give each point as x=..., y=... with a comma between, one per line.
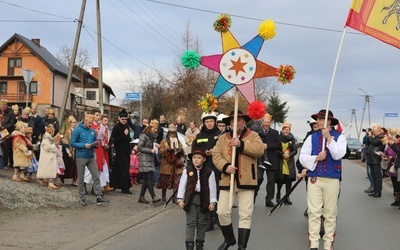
x=354, y=148
x=299, y=141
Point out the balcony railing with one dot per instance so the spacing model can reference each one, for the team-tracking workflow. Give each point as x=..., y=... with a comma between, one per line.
x=16, y=97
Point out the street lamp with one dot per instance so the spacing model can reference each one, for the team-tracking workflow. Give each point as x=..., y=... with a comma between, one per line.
x=369, y=114
x=28, y=75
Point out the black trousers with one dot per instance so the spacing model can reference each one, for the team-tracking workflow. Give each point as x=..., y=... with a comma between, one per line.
x=270, y=187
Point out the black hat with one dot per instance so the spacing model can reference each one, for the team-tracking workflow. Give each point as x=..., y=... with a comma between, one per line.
x=322, y=113
x=197, y=151
x=123, y=113
x=227, y=120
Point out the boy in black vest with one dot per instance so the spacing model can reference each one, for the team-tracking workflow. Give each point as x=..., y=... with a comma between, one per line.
x=197, y=195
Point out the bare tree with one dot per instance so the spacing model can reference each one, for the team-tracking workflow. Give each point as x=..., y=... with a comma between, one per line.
x=64, y=55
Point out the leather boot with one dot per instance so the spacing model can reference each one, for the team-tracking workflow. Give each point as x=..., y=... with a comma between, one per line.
x=243, y=238
x=199, y=244
x=189, y=245
x=229, y=236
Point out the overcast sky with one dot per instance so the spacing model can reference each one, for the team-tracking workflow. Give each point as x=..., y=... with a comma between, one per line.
x=142, y=35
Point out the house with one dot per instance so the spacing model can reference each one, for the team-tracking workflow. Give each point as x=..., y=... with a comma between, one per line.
x=49, y=81
x=87, y=94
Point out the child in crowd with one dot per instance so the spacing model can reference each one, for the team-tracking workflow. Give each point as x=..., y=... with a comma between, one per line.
x=197, y=195
x=31, y=171
x=59, y=157
x=134, y=165
x=21, y=153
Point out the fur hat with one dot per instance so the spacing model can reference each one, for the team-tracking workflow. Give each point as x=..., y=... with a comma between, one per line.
x=227, y=120
x=321, y=114
x=286, y=125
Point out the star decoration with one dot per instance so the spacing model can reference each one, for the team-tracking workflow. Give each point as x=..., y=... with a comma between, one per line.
x=238, y=66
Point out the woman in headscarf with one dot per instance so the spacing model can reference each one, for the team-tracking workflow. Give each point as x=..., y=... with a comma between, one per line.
x=170, y=172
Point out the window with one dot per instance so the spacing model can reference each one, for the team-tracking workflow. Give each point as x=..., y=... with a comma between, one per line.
x=33, y=88
x=3, y=87
x=90, y=95
x=12, y=64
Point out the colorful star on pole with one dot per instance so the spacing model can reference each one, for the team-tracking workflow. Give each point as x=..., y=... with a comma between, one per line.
x=238, y=65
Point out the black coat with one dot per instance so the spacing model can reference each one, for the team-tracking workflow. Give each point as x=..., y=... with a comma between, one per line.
x=120, y=178
x=273, y=142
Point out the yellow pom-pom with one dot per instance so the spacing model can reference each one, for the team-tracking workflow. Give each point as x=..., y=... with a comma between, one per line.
x=267, y=29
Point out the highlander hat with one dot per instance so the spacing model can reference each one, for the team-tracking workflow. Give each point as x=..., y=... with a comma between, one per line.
x=321, y=114
x=227, y=120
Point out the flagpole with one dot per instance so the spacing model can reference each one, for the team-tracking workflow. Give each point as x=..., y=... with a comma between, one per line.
x=332, y=81
x=234, y=135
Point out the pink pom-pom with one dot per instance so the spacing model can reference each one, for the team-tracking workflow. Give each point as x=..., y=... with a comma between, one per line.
x=256, y=110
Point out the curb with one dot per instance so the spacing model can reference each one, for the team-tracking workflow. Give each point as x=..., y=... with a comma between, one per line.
x=98, y=237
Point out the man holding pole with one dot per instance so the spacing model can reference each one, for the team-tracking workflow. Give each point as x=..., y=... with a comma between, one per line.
x=321, y=154
x=247, y=146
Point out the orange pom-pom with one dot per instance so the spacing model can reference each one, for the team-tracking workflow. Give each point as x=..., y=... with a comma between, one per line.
x=256, y=110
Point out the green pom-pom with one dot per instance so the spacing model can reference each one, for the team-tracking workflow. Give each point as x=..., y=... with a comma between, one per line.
x=190, y=59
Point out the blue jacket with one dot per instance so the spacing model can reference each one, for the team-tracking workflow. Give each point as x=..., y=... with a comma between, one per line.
x=80, y=136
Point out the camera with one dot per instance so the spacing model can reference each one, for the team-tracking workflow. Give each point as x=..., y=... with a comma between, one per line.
x=366, y=129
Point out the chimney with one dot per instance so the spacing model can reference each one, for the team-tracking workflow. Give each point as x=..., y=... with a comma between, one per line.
x=36, y=41
x=95, y=72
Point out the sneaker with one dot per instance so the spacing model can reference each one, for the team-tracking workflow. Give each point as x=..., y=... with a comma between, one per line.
x=83, y=202
x=101, y=200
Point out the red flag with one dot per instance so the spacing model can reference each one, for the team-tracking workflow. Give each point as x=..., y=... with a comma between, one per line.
x=377, y=18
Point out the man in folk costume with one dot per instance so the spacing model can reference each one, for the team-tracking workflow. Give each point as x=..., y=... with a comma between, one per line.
x=324, y=174
x=248, y=147
x=102, y=165
x=120, y=178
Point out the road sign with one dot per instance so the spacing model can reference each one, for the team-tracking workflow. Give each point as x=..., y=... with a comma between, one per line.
x=391, y=114
x=133, y=96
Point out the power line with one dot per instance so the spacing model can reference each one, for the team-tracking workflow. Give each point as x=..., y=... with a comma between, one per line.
x=33, y=21
x=252, y=18
x=37, y=11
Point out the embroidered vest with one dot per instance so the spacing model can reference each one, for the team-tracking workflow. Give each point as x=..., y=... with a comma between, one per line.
x=192, y=179
x=329, y=168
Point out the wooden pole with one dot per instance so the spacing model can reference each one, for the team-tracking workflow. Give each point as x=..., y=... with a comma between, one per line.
x=234, y=129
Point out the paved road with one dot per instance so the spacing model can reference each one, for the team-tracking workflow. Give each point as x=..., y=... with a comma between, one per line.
x=364, y=223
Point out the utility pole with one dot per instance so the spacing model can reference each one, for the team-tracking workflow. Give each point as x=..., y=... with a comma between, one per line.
x=100, y=57
x=353, y=113
x=369, y=111
x=72, y=62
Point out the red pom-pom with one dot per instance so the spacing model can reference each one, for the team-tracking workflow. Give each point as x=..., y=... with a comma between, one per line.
x=256, y=110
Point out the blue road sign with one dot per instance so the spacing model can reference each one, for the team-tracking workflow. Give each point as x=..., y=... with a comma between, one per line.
x=391, y=114
x=134, y=96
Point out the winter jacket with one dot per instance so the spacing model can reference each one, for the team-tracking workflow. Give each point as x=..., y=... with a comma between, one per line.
x=250, y=149
x=375, y=145
x=80, y=136
x=146, y=157
x=20, y=146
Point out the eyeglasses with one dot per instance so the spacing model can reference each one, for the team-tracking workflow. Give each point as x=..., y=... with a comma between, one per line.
x=124, y=119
